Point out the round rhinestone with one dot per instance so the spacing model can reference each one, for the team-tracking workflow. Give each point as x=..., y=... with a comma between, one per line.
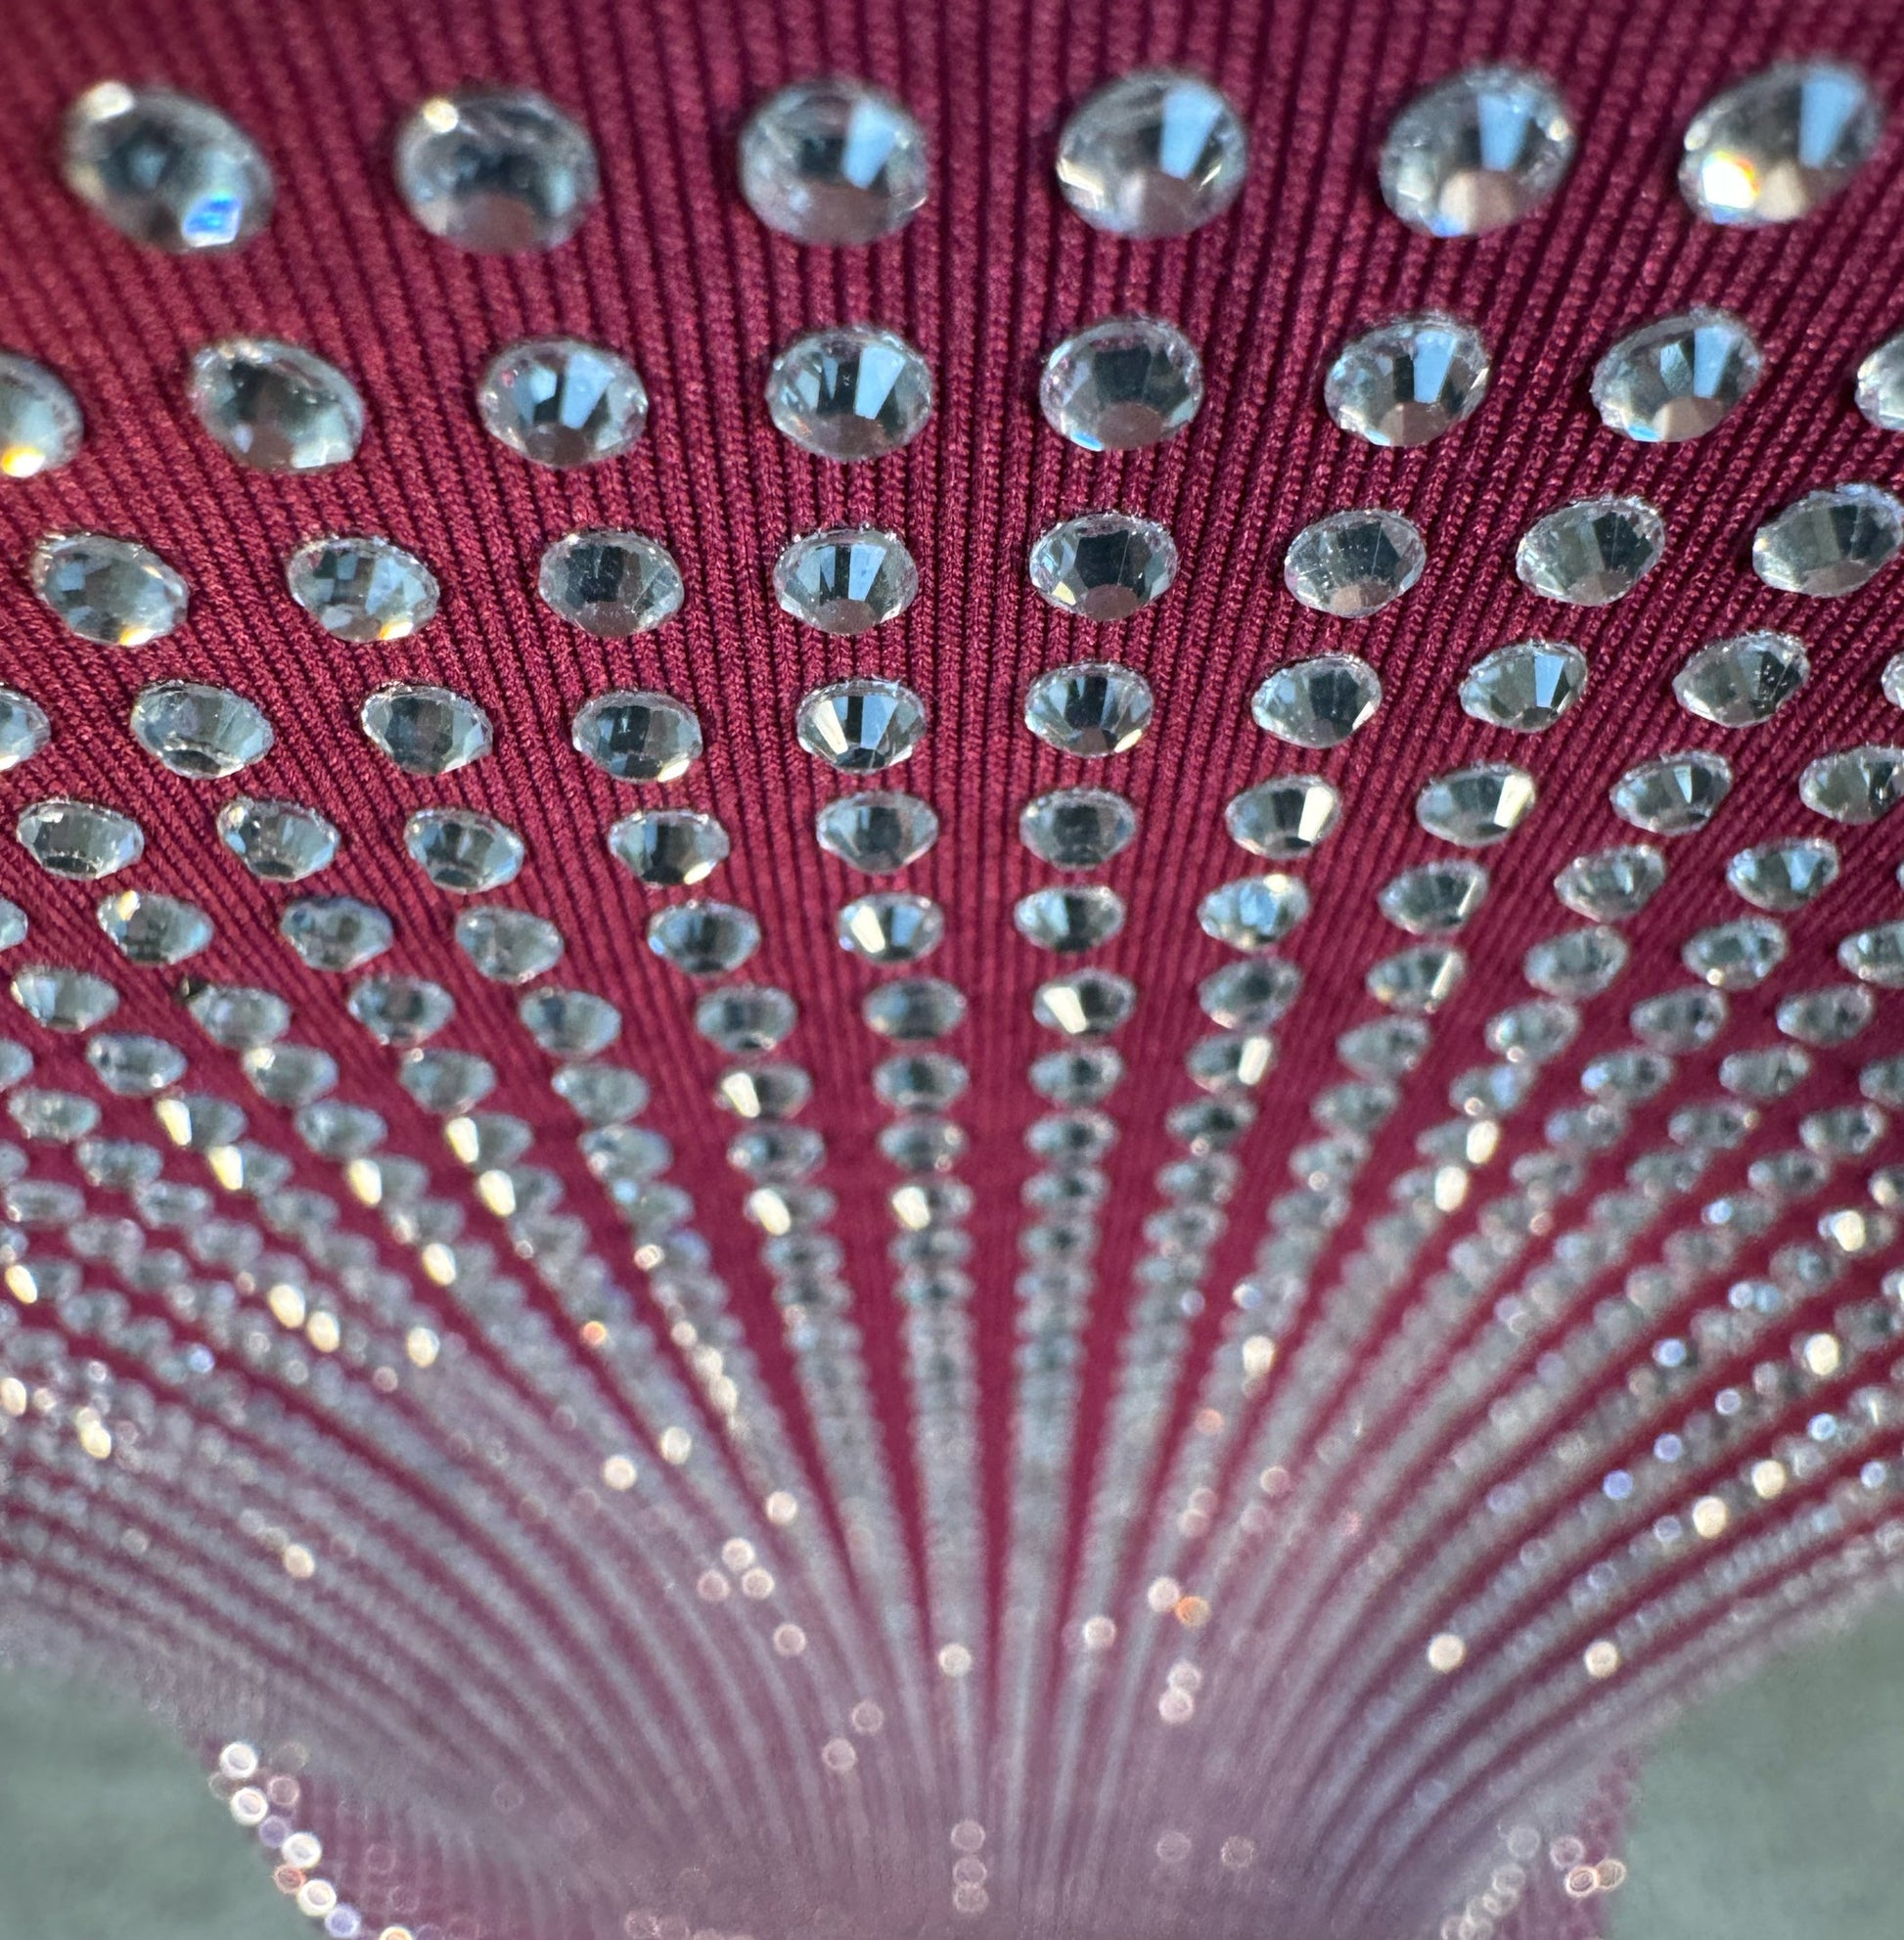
x=1776, y=144
x=570, y=1024
x=1086, y=1003
x=1077, y=828
x=1254, y=912
x=113, y=591
x=1533, y=1033
x=914, y=1010
x=498, y=171
x=506, y=945
x=425, y=730
x=275, y=407
x=1611, y=884
x=79, y=839
x=833, y=159
x=362, y=589
x=1875, y=955
x=1476, y=151
x=637, y=736
x=1674, y=794
x=62, y=998
x=277, y=841
x=1408, y=380
x=1353, y=563
x=851, y=392
x=1881, y=386
x=1742, y=681
x=890, y=927
x=861, y=726
x=1476, y=806
x=1676, y=378
x=23, y=728
x=400, y=1010
x=601, y=1093
x=1153, y=153
x=1384, y=1047
x=1433, y=898
x=1855, y=785
x=129, y=1065
x=336, y=932
x=1091, y=708
x=1770, y=1074
x=772, y=1092
x=152, y=929
x=1738, y=955
x=1121, y=383
x=923, y=1081
x=704, y=939
x=463, y=851
x=875, y=833
x=1069, y=920
x=1830, y=543
x=1826, y=1018
x=1577, y=964
x=1418, y=981
x=1526, y=686
x=847, y=578
x=561, y=402
x=670, y=847
x=40, y=426
x=1104, y=566
x=746, y=1020
x=1784, y=875
x=1082, y=1077
x=1680, y=1020
x=239, y=1019
x=13, y=933
x=610, y=584
x=1283, y=819
x=198, y=731
x=1592, y=552
x=1319, y=702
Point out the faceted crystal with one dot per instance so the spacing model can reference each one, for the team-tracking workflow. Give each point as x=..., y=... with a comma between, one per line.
x=337, y=1131
x=362, y=589
x=1678, y=377
x=1121, y=383
x=58, y=1117
x=1784, y=875
x=1254, y=912
x=849, y=392
x=847, y=578
x=153, y=929
x=463, y=851
x=668, y=847
x=1476, y=151
x=1892, y=680
x=1592, y=552
x=1881, y=386
x=861, y=726
x=425, y=730
x=748, y=1020
x=336, y=932
x=1830, y=543
x=506, y=945
x=914, y=1010
x=1854, y=786
x=1069, y=920
x=1611, y=884
x=1104, y=566
x=13, y=931
x=570, y=1024
x=238, y=1018
x=1091, y=708
x=1418, y=981
x=23, y=728
x=561, y=402
x=601, y=1093
x=1476, y=806
x=64, y=999
x=1743, y=680
x=890, y=927
x=1319, y=702
x=277, y=840
x=401, y=1010
x=275, y=407
x=164, y=169
x=1082, y=1077
x=495, y=170
x=1776, y=144
x=1630, y=1077
x=610, y=584
x=1875, y=955
x=1737, y=955
x=773, y=1092
x=1353, y=563
x=1384, y=1047
x=40, y=426
x=130, y=1065
x=1679, y=1021
x=1408, y=380
x=1086, y=1003
x=113, y=591
x=636, y=736
x=1533, y=1033
x=1434, y=898
x=79, y=839
x=202, y=732
x=833, y=159
x=704, y=939
x=1077, y=828
x=1830, y=1016
x=1577, y=964
x=1283, y=819
x=877, y=834
x=1768, y=1075
x=1675, y=793
x=1154, y=152
x=1526, y=687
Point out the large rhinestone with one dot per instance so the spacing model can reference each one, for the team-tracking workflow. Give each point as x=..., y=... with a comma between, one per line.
x=561, y=402
x=1433, y=898
x=1526, y=687
x=1476, y=806
x=495, y=170
x=362, y=589
x=668, y=847
x=113, y=591
x=570, y=1024
x=1533, y=1033
x=847, y=578
x=153, y=929
x=1679, y=1021
x=637, y=736
x=1087, y=1003
x=1353, y=563
x=748, y=1020
x=1153, y=153
x=1249, y=996
x=1104, y=566
x=336, y=932
x=833, y=159
x=1285, y=818
x=1577, y=964
x=164, y=169
x=202, y=732
x=1742, y=681
x=1418, y=981
x=1776, y=144
x=610, y=584
x=425, y=730
x=1784, y=875
x=130, y=1065
x=240, y=1019
x=506, y=945
x=1881, y=386
x=1122, y=384
x=600, y=1094
x=79, y=839
x=1592, y=552
x=1091, y=708
x=1611, y=884
x=890, y=927
x=275, y=407
x=1678, y=377
x=1854, y=786
x=850, y=392
x=1082, y=1077
x=1408, y=380
x=1872, y=956
x=1737, y=955
x=64, y=999
x=1675, y=793
x=704, y=939
x=1319, y=702
x=861, y=726
x=877, y=834
x=401, y=1010
x=1254, y=912
x=914, y=1010
x=1830, y=543
x=1476, y=151
x=1077, y=828
x=1069, y=920
x=58, y=1117
x=463, y=851
x=40, y=426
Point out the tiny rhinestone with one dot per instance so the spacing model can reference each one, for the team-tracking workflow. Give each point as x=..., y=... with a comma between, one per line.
x=277, y=841
x=1881, y=386
x=1676, y=378
x=610, y=584
x=1830, y=543
x=559, y=402
x=1476, y=151
x=1418, y=981
x=1592, y=552
x=637, y=736
x=463, y=851
x=832, y=161
x=1254, y=912
x=1153, y=153
x=1611, y=884
x=1319, y=702
x=1104, y=566
x=498, y=171
x=1087, y=1003
x=1776, y=144
x=275, y=407
x=851, y=392
x=79, y=839
x=1476, y=806
x=1091, y=708
x=1784, y=875
x=336, y=932
x=704, y=939
x=1577, y=964
x=877, y=834
x=362, y=589
x=1406, y=382
x=506, y=945
x=202, y=732
x=914, y=1010
x=40, y=425
x=747, y=1021
x=153, y=929
x=1855, y=785
x=1737, y=955
x=1121, y=383
x=668, y=847
x=1353, y=563
x=847, y=578
x=1077, y=828
x=1526, y=687
x=1742, y=681
x=425, y=730
x=113, y=591
x=1434, y=898
x=1674, y=794
x=1069, y=920
x=890, y=927
x=1283, y=819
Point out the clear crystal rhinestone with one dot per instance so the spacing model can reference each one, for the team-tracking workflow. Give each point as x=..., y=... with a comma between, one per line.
x=164, y=169
x=1844, y=1131
x=601, y=1093
x=1069, y=920
x=1154, y=152
x=1476, y=806
x=833, y=159
x=1285, y=818
x=1881, y=386
x=1830, y=1016
x=610, y=584
x=1577, y=964
x=13, y=931
x=23, y=728
x=1254, y=912
x=200, y=1122
x=1678, y=377
x=81, y=838
x=1433, y=898
x=148, y=929
x=1408, y=380
x=362, y=589
x=703, y=938
x=463, y=851
x=1526, y=687
x=1882, y=1082
x=845, y=578
x=495, y=170
x=914, y=1010
x=277, y=841
x=337, y=1131
x=274, y=406
x=1077, y=828
x=113, y=591
x=507, y=945
x=64, y=999
x=1675, y=793
x=1085, y=1003
x=921, y=1081
x=1418, y=981
x=1679, y=1021
x=239, y=1018
x=1776, y=144
x=130, y=1065
x=336, y=932
x=668, y=847
x=1082, y=1077
x=1611, y=884
x=1737, y=955
x=1121, y=383
x=1592, y=552
x=1892, y=680
x=890, y=927
x=1743, y=680
x=1629, y=1077
x=747, y=1021
x=401, y=1010
x=1855, y=785
x=876, y=833
x=202, y=732
x=637, y=736
x=1784, y=875
x=561, y=402
x=772, y=1092
x=1091, y=708
x=850, y=392
x=1533, y=1033
x=1384, y=1047
x=58, y=1117
x=1353, y=563
x=570, y=1024
x=1318, y=702
x=1476, y=151
x=1767, y=1075
x=1236, y=1061
x=40, y=426
x=1104, y=566
x=425, y=730
x=861, y=726
x=1830, y=543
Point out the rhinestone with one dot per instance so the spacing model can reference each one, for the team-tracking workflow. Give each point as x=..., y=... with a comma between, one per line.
x=1883, y=1082
x=12, y=927
x=164, y=170
x=1738, y=955
x=1776, y=144
x=1742, y=681
x=1830, y=1016
x=847, y=578
x=600, y=1094
x=637, y=736
x=1069, y=920
x=277, y=841
x=79, y=839
x=1629, y=1077
x=129, y=1065
x=1676, y=378
x=1250, y=996
x=1847, y=1131
x=62, y=998
x=362, y=589
x=1476, y=806
x=495, y=170
x=275, y=407
x=1283, y=819
x=1891, y=681
x=704, y=939
x=850, y=392
x=1384, y=1047
x=202, y=732
x=1680, y=1020
x=461, y=850
x=861, y=726
x=1526, y=687
x=506, y=945
x=877, y=834
x=914, y=1010
x=1476, y=151
x=1353, y=563
x=610, y=584
x=1533, y=1033
x=1591, y=553
x=1767, y=1075
x=1091, y=708
x=1086, y=1003
x=23, y=727
x=491, y=1138
x=561, y=402
x=1104, y=566
x=1234, y=1062
x=340, y=1132
x=833, y=159
x=1319, y=702
x=58, y=1117
x=892, y=927
x=668, y=847
x=1408, y=380
x=1077, y=828
x=153, y=929
x=1611, y=884
x=1254, y=912
x=336, y=932
x=1673, y=795
x=111, y=590
x=1121, y=383
x=776, y=1153
x=1434, y=899
x=1855, y=785
x=401, y=1010
x=1082, y=1077
x=1784, y=875
x=1577, y=964
x=1152, y=153
x=764, y=1090
x=238, y=1018
x=1418, y=981
x=425, y=730
x=1881, y=386
x=40, y=426
x=1830, y=543
x=747, y=1021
